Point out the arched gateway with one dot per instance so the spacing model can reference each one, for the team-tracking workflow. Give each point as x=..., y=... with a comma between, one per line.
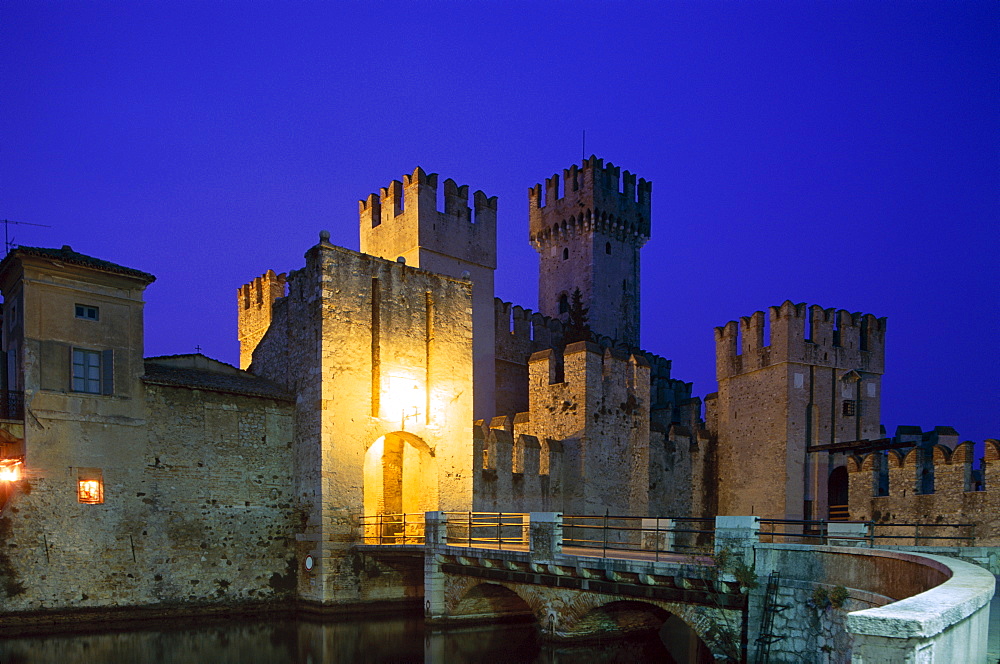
x=400, y=478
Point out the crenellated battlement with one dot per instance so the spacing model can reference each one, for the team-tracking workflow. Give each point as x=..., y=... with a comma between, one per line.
x=521, y=331
x=253, y=304
x=799, y=333
x=418, y=189
x=584, y=372
x=404, y=216
x=515, y=470
x=591, y=198
x=930, y=484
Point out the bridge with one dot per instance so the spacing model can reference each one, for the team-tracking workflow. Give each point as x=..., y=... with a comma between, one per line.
x=733, y=588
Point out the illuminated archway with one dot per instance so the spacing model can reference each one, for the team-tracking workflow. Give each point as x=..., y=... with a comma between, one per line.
x=400, y=478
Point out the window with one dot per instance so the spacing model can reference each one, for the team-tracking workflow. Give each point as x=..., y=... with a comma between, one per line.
x=90, y=485
x=565, y=254
x=563, y=303
x=86, y=371
x=850, y=408
x=86, y=312
x=90, y=491
x=607, y=248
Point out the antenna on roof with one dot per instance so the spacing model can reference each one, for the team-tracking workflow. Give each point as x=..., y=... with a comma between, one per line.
x=583, y=147
x=8, y=242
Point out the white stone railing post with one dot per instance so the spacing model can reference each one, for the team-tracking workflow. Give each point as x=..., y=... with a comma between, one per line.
x=738, y=535
x=545, y=536
x=848, y=534
x=435, y=538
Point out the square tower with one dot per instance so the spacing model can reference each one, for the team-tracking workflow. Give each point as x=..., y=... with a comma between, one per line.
x=403, y=221
x=784, y=402
x=588, y=233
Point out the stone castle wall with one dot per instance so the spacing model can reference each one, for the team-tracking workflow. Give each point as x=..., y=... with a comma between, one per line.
x=597, y=404
x=403, y=221
x=516, y=472
x=202, y=512
x=521, y=332
x=953, y=500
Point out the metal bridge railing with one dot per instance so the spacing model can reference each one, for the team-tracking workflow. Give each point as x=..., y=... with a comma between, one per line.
x=804, y=531
x=393, y=529
x=923, y=533
x=650, y=535
x=488, y=529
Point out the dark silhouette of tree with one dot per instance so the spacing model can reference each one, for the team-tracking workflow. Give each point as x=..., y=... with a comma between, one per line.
x=577, y=327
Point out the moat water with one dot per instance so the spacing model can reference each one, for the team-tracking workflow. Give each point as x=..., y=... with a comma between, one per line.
x=288, y=641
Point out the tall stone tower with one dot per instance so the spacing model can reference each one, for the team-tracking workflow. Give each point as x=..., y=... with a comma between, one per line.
x=403, y=221
x=588, y=233
x=786, y=402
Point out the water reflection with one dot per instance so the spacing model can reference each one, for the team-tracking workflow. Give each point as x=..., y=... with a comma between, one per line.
x=306, y=642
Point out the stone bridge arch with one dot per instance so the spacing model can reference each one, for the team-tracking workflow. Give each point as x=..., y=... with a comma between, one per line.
x=566, y=613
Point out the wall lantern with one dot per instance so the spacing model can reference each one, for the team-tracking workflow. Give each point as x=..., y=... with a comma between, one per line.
x=10, y=470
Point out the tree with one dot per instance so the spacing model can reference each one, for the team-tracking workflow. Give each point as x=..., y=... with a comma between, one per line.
x=577, y=327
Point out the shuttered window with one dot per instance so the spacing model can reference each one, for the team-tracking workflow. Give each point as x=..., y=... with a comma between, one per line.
x=86, y=371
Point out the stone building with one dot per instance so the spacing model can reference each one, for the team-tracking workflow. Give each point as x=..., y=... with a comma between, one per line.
x=786, y=399
x=391, y=381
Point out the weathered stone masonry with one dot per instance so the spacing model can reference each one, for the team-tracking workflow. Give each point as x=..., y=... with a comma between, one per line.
x=392, y=381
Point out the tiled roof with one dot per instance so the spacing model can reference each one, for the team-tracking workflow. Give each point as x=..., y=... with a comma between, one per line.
x=67, y=255
x=200, y=379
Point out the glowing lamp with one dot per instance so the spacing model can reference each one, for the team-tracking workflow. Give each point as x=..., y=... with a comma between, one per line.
x=402, y=394
x=10, y=470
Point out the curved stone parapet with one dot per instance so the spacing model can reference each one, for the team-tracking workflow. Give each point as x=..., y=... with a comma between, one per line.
x=947, y=623
x=873, y=605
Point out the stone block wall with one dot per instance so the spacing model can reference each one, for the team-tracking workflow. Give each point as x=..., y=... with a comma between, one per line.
x=954, y=499
x=403, y=221
x=519, y=332
x=588, y=234
x=203, y=513
x=682, y=473
x=516, y=472
x=597, y=404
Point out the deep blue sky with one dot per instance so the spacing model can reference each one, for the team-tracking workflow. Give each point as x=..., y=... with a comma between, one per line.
x=837, y=153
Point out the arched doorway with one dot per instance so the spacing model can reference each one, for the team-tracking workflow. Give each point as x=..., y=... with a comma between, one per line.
x=836, y=492
x=400, y=484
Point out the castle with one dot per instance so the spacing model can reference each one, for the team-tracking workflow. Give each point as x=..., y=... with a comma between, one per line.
x=391, y=380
